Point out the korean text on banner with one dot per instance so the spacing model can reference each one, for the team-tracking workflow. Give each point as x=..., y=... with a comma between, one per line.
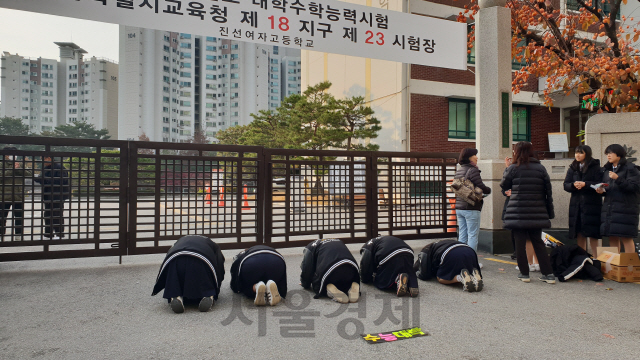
x=327, y=26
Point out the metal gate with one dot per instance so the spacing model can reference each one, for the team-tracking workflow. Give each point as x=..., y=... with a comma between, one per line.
x=136, y=197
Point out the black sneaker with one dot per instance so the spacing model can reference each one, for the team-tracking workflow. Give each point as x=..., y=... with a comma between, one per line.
x=205, y=304
x=524, y=278
x=176, y=305
x=477, y=279
x=513, y=256
x=467, y=282
x=402, y=282
x=549, y=279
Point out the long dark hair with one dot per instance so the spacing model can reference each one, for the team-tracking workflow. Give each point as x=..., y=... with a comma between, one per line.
x=586, y=150
x=465, y=154
x=523, y=151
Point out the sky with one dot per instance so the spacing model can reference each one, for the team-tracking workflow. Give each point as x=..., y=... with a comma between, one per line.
x=33, y=35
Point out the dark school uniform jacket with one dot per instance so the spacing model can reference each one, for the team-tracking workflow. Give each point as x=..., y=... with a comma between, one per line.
x=432, y=255
x=322, y=257
x=585, y=204
x=573, y=261
x=200, y=247
x=238, y=260
x=376, y=252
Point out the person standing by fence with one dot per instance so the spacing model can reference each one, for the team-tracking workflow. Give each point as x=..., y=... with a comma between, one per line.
x=619, y=217
x=468, y=215
x=530, y=208
x=585, y=204
x=12, y=188
x=55, y=190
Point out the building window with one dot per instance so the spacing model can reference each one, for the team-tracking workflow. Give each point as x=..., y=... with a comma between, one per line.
x=462, y=119
x=235, y=76
x=211, y=39
x=234, y=56
x=234, y=66
x=211, y=57
x=210, y=67
x=185, y=36
x=521, y=123
x=210, y=48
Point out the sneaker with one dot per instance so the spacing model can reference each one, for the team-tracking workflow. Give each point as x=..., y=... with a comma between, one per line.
x=467, y=283
x=480, y=265
x=176, y=305
x=513, y=256
x=536, y=267
x=549, y=279
x=55, y=237
x=205, y=304
x=337, y=295
x=354, y=292
x=532, y=268
x=402, y=283
x=477, y=279
x=524, y=278
x=261, y=297
x=413, y=291
x=273, y=296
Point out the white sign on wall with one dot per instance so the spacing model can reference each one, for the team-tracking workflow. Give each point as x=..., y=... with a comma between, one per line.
x=327, y=25
x=558, y=142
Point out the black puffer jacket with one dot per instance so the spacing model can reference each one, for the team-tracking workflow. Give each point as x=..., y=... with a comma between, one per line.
x=620, y=209
x=586, y=202
x=472, y=173
x=530, y=204
x=320, y=258
x=377, y=252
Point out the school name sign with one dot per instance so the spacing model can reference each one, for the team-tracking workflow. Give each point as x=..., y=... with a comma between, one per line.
x=327, y=25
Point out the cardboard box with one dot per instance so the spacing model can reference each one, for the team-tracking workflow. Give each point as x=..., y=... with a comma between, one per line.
x=618, y=267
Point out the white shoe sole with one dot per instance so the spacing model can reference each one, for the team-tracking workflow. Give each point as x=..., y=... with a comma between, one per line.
x=260, y=300
x=272, y=293
x=354, y=292
x=337, y=295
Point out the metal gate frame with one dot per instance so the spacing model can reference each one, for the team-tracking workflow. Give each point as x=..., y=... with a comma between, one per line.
x=352, y=216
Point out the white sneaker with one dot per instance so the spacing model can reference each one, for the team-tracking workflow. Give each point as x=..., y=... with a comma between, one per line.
x=480, y=264
x=354, y=292
x=55, y=237
x=176, y=305
x=337, y=295
x=17, y=238
x=273, y=296
x=537, y=267
x=261, y=296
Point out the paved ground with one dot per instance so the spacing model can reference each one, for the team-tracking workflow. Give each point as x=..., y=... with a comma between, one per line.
x=97, y=309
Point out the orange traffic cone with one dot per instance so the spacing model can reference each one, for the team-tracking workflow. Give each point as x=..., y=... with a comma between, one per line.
x=245, y=205
x=221, y=200
x=452, y=219
x=207, y=197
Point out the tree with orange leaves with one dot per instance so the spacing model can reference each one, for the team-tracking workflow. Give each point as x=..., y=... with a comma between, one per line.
x=583, y=51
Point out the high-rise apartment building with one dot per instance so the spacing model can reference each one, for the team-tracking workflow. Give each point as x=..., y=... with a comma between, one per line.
x=45, y=93
x=173, y=83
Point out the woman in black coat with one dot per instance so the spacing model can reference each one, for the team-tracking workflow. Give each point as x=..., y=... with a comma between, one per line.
x=585, y=204
x=619, y=217
x=530, y=209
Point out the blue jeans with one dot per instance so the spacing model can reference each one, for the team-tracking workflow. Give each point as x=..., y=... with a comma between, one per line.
x=469, y=224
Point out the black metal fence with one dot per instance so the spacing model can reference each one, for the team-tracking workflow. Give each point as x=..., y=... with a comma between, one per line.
x=66, y=198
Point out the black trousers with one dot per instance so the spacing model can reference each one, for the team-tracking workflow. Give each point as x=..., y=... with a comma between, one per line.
x=53, y=218
x=18, y=214
x=387, y=273
x=535, y=236
x=263, y=267
x=189, y=277
x=342, y=277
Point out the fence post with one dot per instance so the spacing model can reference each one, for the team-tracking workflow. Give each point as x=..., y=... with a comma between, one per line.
x=372, y=200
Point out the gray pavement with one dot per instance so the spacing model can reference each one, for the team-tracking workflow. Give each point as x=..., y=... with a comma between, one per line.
x=96, y=309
